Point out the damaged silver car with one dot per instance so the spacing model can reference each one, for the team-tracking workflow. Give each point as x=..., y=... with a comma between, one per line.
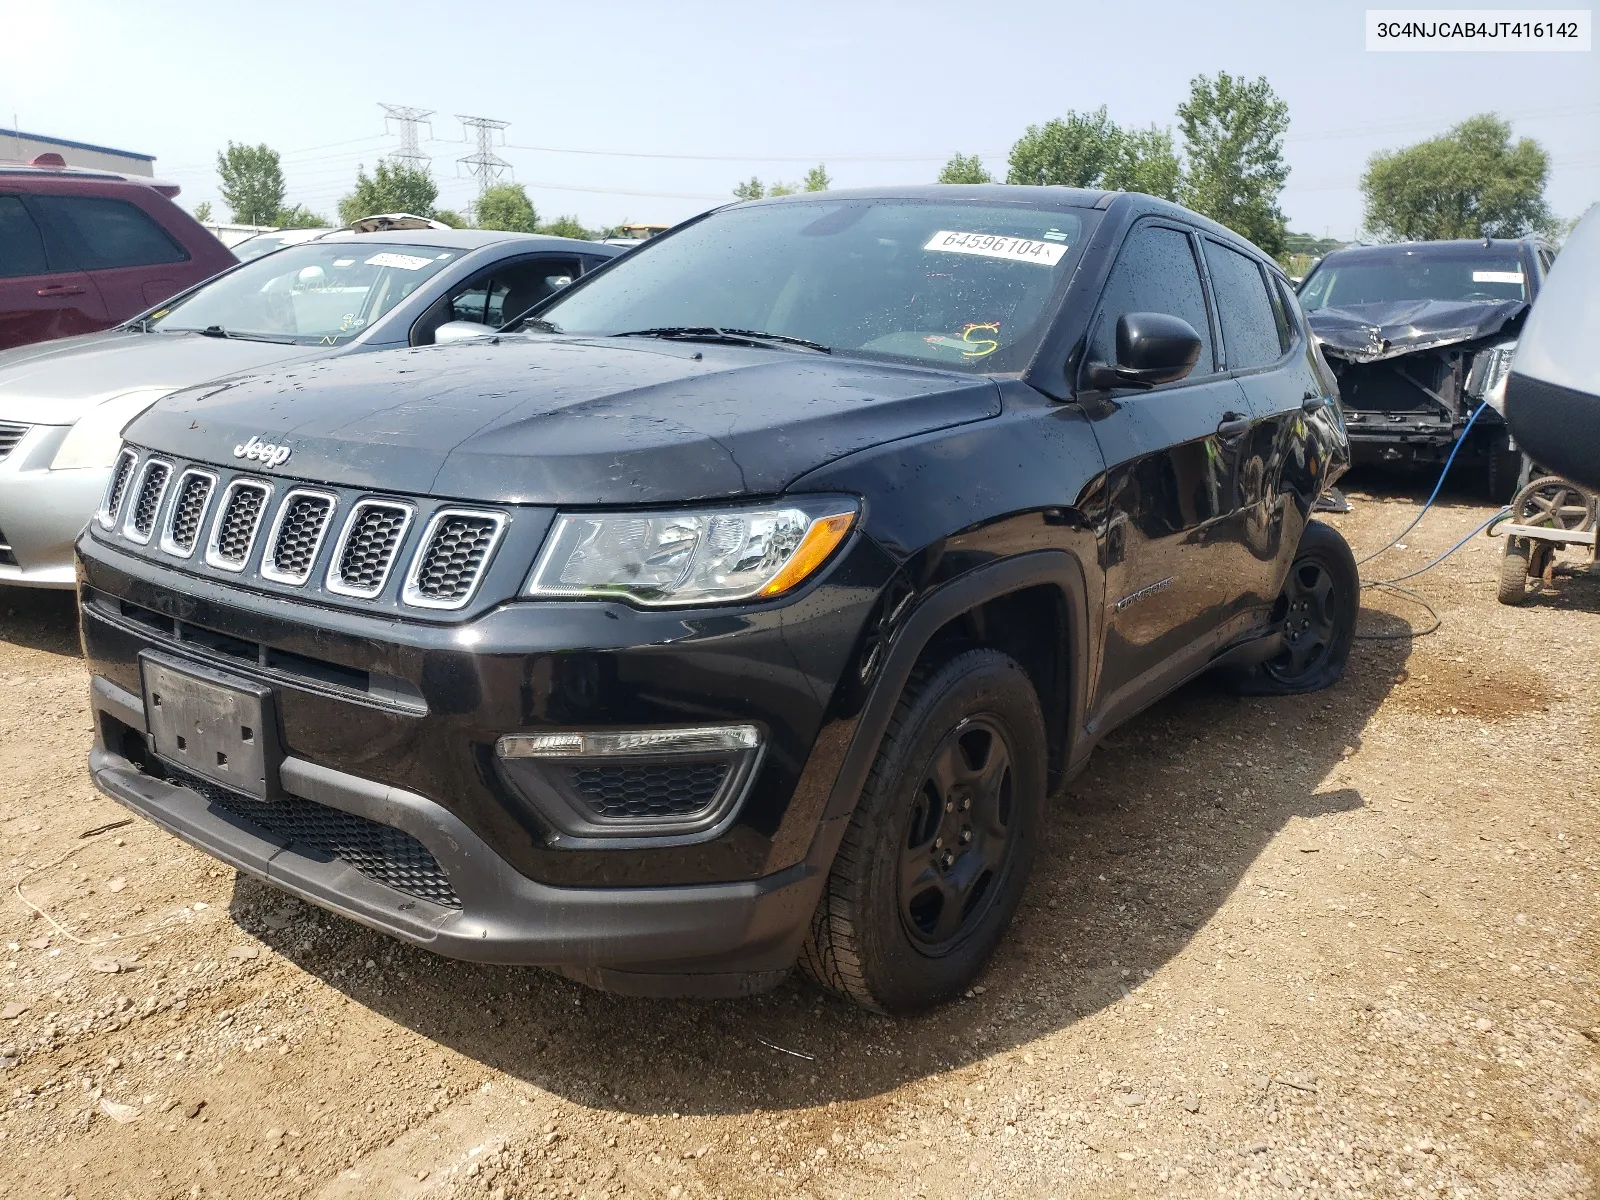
x=1420, y=335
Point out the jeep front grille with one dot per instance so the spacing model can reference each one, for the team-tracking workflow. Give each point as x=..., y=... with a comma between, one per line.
x=147, y=500
x=450, y=562
x=188, y=512
x=10, y=434
x=297, y=536
x=121, y=472
x=367, y=548
x=238, y=519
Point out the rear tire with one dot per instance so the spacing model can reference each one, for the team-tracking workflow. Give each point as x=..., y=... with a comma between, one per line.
x=936, y=857
x=1316, y=615
x=1514, y=572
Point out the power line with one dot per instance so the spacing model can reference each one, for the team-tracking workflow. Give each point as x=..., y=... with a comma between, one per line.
x=408, y=118
x=484, y=163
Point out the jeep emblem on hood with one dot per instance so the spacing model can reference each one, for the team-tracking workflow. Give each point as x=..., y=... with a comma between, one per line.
x=265, y=453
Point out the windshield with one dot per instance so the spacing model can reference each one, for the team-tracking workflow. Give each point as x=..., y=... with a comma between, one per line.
x=964, y=285
x=1464, y=273
x=322, y=293
x=262, y=243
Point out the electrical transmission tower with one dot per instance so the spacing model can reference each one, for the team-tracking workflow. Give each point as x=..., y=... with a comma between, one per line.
x=485, y=163
x=410, y=153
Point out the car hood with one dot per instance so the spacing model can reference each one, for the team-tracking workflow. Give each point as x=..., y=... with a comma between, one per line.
x=55, y=383
x=566, y=421
x=1369, y=332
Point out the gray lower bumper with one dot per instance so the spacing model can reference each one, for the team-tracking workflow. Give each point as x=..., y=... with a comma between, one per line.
x=43, y=511
x=706, y=939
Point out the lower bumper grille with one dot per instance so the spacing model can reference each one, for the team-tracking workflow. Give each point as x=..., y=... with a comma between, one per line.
x=380, y=852
x=648, y=789
x=7, y=558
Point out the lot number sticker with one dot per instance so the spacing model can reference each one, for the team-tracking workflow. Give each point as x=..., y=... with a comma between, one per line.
x=994, y=245
x=406, y=262
x=1497, y=277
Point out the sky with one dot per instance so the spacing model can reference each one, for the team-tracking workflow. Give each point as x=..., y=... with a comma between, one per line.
x=653, y=112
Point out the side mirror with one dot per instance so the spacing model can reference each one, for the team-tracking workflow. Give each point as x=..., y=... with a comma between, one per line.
x=1152, y=348
x=461, y=331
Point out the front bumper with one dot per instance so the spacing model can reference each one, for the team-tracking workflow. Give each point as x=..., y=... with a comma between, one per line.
x=705, y=939
x=43, y=511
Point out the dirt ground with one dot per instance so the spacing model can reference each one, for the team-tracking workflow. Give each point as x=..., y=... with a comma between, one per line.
x=1338, y=945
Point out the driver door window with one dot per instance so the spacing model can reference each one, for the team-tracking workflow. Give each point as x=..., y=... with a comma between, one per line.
x=501, y=294
x=1155, y=272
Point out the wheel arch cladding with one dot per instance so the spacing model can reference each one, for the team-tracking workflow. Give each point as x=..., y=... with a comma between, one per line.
x=1032, y=607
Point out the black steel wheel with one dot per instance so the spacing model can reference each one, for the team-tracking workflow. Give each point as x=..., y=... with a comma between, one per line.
x=1314, y=616
x=958, y=840
x=936, y=856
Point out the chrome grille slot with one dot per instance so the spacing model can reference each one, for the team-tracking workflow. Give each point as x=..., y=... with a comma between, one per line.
x=188, y=512
x=117, y=488
x=451, y=558
x=153, y=480
x=367, y=548
x=10, y=434
x=297, y=536
x=238, y=519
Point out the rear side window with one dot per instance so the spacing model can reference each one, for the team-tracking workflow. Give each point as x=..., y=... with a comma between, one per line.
x=104, y=233
x=1251, y=332
x=21, y=245
x=1280, y=314
x=1155, y=272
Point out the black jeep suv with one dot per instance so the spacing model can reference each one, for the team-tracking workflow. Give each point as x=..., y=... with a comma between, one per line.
x=740, y=606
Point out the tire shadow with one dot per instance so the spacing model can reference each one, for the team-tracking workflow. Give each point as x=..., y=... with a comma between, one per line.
x=1139, y=853
x=42, y=619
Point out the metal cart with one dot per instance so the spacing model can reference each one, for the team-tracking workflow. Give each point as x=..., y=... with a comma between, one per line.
x=1547, y=514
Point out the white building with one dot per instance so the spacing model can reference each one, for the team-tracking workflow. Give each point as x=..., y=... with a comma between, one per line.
x=16, y=146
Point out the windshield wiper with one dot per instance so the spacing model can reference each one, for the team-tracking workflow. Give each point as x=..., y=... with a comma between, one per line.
x=217, y=331
x=732, y=337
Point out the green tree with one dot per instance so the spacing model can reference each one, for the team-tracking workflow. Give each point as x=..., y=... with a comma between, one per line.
x=816, y=179
x=965, y=168
x=753, y=190
x=300, y=217
x=569, y=227
x=450, y=217
x=202, y=212
x=1145, y=162
x=1233, y=138
x=251, y=182
x=390, y=188
x=1468, y=183
x=506, y=206
x=1089, y=150
x=1072, y=151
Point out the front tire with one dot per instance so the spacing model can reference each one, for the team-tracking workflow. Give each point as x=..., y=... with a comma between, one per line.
x=936, y=857
x=1514, y=572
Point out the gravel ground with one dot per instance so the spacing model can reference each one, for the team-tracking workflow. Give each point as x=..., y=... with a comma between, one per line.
x=1336, y=945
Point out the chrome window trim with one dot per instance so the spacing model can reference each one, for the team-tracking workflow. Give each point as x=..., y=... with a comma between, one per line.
x=234, y=484
x=132, y=510
x=268, y=569
x=166, y=544
x=107, y=517
x=332, y=581
x=416, y=599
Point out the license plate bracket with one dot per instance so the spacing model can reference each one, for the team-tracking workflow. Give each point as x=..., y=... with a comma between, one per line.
x=221, y=727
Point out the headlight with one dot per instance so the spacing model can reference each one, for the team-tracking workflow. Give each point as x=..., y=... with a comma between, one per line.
x=706, y=557
x=94, y=440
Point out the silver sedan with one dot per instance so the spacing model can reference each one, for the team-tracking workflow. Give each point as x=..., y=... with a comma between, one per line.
x=63, y=404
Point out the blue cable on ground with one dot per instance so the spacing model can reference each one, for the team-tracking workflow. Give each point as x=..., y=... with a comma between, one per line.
x=1392, y=585
x=1454, y=450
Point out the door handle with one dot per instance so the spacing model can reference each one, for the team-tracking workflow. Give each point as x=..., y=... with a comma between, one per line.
x=60, y=289
x=1233, y=424
x=1313, y=402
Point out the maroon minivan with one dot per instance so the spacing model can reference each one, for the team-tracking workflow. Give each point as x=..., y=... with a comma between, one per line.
x=83, y=250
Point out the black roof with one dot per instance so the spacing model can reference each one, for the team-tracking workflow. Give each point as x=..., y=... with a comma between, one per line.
x=1453, y=248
